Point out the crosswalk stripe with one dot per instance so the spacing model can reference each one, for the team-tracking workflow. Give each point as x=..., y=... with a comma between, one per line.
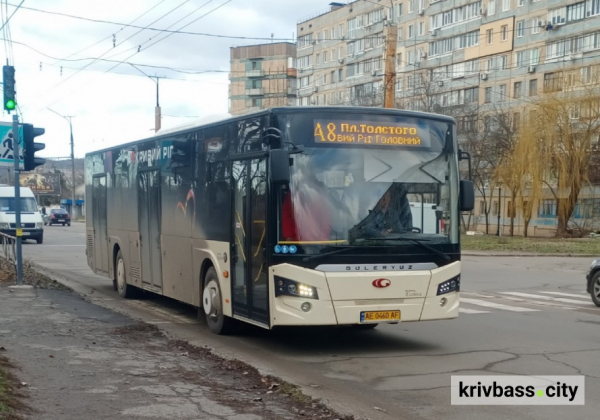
x=586, y=296
x=471, y=311
x=549, y=298
x=495, y=305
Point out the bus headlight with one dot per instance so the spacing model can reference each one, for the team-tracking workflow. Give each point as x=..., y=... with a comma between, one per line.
x=289, y=287
x=452, y=285
x=39, y=225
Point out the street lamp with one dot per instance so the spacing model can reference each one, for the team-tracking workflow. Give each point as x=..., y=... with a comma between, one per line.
x=68, y=118
x=157, y=110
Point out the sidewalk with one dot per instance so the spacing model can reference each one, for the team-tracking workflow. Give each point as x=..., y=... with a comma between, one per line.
x=80, y=361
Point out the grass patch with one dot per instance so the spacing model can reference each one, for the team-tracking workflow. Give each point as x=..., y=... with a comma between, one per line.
x=10, y=396
x=535, y=245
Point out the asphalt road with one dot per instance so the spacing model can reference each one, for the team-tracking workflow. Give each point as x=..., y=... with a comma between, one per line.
x=521, y=316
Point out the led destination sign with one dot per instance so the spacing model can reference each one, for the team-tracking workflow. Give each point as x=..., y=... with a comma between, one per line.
x=371, y=133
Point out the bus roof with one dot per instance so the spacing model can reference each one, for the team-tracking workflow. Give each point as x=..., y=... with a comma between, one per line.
x=211, y=120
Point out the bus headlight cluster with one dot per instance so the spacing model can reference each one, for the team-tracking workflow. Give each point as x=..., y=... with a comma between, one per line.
x=452, y=285
x=289, y=287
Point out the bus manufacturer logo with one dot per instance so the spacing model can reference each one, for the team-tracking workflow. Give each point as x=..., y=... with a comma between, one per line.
x=381, y=283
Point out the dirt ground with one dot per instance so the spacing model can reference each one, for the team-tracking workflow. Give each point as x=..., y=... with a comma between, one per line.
x=75, y=360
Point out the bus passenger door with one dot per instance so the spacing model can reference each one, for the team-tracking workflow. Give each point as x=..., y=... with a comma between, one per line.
x=250, y=292
x=149, y=225
x=99, y=223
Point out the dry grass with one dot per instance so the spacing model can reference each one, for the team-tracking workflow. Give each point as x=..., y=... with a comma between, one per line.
x=582, y=246
x=10, y=395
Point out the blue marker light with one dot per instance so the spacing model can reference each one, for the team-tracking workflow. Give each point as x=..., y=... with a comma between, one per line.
x=277, y=249
x=293, y=249
x=285, y=249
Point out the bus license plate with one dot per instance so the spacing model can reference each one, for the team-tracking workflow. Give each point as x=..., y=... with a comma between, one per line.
x=374, y=316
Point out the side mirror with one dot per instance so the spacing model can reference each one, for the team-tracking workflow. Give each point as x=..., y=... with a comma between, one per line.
x=279, y=163
x=467, y=195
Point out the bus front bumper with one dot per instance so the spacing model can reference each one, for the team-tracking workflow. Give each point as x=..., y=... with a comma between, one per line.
x=355, y=298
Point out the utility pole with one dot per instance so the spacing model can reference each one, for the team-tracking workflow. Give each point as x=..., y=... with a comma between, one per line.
x=68, y=118
x=18, y=230
x=157, y=111
x=391, y=39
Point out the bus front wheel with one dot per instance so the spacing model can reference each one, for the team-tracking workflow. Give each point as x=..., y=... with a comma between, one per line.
x=212, y=303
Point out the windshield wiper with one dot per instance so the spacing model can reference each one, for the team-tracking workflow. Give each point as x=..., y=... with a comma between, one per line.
x=337, y=251
x=414, y=241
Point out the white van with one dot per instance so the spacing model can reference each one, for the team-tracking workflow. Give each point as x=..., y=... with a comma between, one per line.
x=31, y=219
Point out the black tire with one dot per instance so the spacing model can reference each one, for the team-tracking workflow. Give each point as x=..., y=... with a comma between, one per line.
x=365, y=326
x=63, y=224
x=69, y=224
x=212, y=305
x=125, y=290
x=595, y=289
x=40, y=240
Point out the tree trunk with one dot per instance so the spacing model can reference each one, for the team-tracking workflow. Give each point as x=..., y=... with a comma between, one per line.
x=565, y=209
x=525, y=226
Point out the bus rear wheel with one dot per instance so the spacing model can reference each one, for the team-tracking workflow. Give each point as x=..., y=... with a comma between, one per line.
x=212, y=303
x=125, y=290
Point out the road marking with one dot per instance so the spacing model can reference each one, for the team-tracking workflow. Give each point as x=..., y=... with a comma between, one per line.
x=61, y=245
x=495, y=305
x=471, y=311
x=586, y=296
x=552, y=299
x=479, y=295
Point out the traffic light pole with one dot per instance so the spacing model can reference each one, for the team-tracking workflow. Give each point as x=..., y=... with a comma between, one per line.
x=18, y=231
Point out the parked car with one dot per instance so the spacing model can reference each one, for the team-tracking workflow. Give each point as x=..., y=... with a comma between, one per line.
x=593, y=281
x=59, y=217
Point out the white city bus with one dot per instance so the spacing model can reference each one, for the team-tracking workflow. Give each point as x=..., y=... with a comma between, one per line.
x=289, y=216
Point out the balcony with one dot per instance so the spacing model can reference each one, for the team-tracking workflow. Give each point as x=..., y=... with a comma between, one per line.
x=255, y=73
x=255, y=92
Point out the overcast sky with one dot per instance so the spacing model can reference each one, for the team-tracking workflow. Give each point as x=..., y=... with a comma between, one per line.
x=116, y=105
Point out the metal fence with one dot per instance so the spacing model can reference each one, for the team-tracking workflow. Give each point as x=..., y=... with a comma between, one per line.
x=9, y=247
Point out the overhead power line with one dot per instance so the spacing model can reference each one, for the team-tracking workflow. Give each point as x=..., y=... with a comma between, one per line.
x=13, y=13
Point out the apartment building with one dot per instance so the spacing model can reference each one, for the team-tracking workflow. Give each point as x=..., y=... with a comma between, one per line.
x=340, y=55
x=262, y=76
x=457, y=57
x=465, y=51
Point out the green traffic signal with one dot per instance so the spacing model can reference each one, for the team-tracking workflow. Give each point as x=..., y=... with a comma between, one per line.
x=8, y=79
x=10, y=105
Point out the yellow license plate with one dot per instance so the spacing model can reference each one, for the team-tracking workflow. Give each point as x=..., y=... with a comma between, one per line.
x=374, y=316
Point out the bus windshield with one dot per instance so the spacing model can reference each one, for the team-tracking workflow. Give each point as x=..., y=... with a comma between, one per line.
x=370, y=197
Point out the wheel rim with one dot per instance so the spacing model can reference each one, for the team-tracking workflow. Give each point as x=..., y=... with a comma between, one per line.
x=211, y=300
x=597, y=288
x=120, y=274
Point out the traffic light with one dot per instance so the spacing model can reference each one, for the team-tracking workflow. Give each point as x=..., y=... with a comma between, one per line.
x=29, y=134
x=8, y=78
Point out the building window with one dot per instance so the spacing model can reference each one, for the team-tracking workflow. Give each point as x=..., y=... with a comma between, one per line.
x=517, y=89
x=411, y=31
x=495, y=208
x=521, y=3
x=421, y=28
x=505, y=5
x=399, y=60
x=504, y=30
x=491, y=7
x=318, y=59
x=557, y=15
x=553, y=82
x=490, y=36
x=304, y=41
x=533, y=87
x=482, y=207
x=586, y=74
x=576, y=11
x=516, y=121
x=488, y=95
x=520, y=28
x=547, y=208
x=411, y=6
x=324, y=57
x=399, y=10
x=256, y=102
x=594, y=7
x=536, y=25
x=502, y=93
